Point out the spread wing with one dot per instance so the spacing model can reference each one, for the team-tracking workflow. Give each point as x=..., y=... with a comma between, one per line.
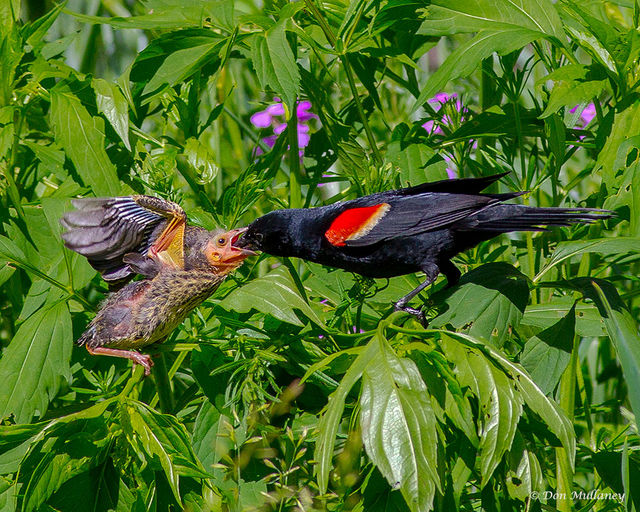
x=405, y=216
x=105, y=230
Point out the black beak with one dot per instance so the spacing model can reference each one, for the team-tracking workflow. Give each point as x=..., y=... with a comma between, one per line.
x=242, y=241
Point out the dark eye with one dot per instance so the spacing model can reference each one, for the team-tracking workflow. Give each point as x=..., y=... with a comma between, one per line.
x=222, y=241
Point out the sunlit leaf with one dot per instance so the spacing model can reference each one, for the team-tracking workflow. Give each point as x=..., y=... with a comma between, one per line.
x=399, y=426
x=604, y=246
x=489, y=302
x=273, y=294
x=82, y=137
x=36, y=363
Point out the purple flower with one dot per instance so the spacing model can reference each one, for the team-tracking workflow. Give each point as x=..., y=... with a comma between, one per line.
x=451, y=113
x=587, y=114
x=270, y=117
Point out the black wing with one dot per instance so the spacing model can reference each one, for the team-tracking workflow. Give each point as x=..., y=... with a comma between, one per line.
x=106, y=229
x=412, y=215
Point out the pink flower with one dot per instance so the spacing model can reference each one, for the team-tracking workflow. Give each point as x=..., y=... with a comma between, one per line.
x=269, y=117
x=588, y=113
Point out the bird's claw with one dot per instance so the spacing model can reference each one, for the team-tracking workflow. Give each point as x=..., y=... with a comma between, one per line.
x=143, y=360
x=418, y=313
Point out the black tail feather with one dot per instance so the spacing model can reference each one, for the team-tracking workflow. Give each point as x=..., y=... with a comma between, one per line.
x=511, y=217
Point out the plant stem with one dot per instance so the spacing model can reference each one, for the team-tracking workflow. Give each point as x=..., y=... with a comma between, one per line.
x=344, y=58
x=295, y=194
x=163, y=384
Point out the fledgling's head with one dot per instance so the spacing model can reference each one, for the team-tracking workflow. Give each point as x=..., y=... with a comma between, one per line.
x=222, y=253
x=215, y=250
x=270, y=233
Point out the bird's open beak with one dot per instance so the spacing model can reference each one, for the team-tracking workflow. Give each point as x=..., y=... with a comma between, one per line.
x=235, y=243
x=240, y=242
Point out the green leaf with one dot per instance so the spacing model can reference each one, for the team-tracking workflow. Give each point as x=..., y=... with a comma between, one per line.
x=172, y=14
x=538, y=317
x=626, y=123
x=67, y=447
x=210, y=439
x=500, y=405
x=181, y=64
x=274, y=294
x=468, y=56
x=444, y=17
x=8, y=495
x=164, y=440
x=553, y=416
x=623, y=332
x=330, y=421
x=36, y=363
x=399, y=426
x=488, y=303
x=603, y=246
x=546, y=355
x=571, y=87
x=112, y=103
x=82, y=137
x=201, y=159
x=275, y=63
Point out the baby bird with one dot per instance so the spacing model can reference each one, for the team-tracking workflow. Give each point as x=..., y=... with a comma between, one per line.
x=182, y=265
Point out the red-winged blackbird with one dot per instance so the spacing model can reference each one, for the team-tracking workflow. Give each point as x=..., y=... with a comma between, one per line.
x=182, y=266
x=404, y=231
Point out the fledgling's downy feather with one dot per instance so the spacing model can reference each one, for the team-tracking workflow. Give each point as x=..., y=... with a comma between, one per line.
x=182, y=265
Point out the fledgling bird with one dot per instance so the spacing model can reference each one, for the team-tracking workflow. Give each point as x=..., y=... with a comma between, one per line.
x=182, y=265
x=404, y=231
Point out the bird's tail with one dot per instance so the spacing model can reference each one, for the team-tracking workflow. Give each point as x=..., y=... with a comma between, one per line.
x=504, y=218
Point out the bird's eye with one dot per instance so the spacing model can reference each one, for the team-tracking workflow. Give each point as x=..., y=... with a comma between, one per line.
x=221, y=241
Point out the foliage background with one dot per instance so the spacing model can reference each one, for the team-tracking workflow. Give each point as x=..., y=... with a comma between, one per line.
x=294, y=387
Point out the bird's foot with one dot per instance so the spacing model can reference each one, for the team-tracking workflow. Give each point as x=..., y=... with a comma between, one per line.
x=143, y=360
x=418, y=313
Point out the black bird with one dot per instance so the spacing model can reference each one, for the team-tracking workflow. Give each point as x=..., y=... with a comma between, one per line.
x=404, y=231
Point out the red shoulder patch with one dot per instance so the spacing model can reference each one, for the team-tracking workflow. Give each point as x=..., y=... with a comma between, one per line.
x=355, y=223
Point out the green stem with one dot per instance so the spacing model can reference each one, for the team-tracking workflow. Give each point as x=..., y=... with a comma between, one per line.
x=295, y=194
x=363, y=118
x=344, y=58
x=12, y=189
x=163, y=384
x=567, y=396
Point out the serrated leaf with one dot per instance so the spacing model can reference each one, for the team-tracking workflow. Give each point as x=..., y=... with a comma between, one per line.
x=36, y=363
x=67, y=447
x=444, y=17
x=181, y=64
x=399, y=426
x=625, y=123
x=500, y=405
x=112, y=103
x=172, y=14
x=623, y=332
x=165, y=441
x=489, y=301
x=546, y=355
x=468, y=56
x=603, y=246
x=274, y=294
x=330, y=421
x=553, y=416
x=82, y=137
x=275, y=63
